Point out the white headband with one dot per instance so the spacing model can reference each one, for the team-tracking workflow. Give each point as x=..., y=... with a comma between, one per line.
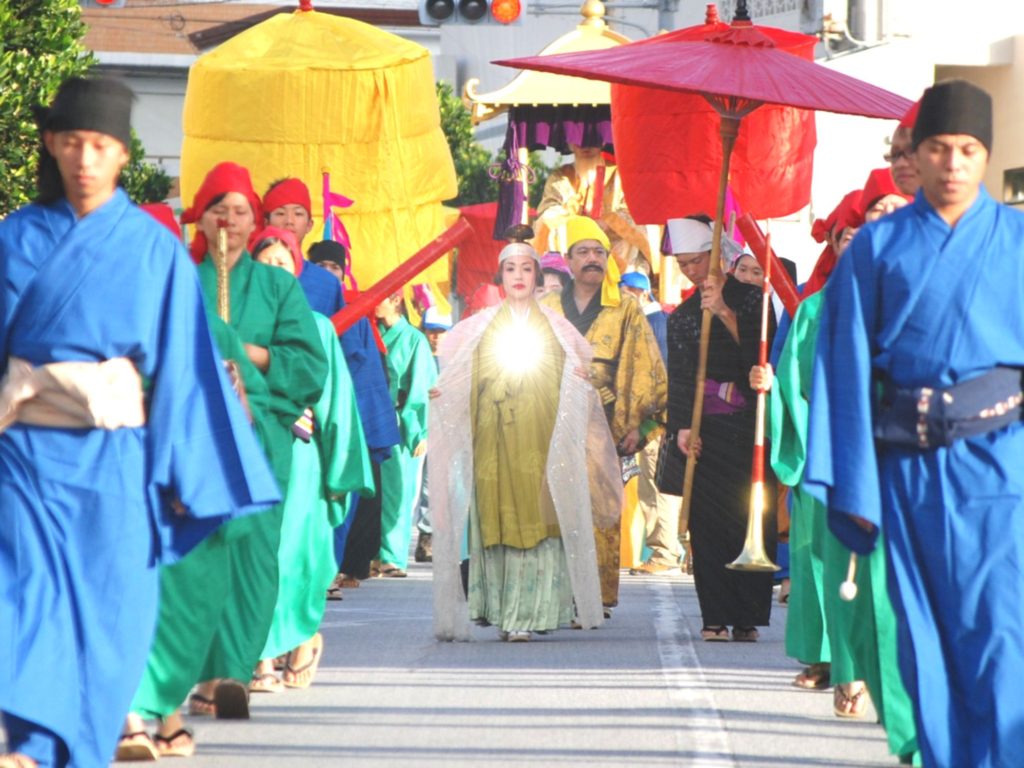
x=518, y=249
x=692, y=236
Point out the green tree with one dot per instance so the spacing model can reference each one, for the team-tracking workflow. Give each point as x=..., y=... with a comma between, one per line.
x=41, y=47
x=144, y=182
x=473, y=163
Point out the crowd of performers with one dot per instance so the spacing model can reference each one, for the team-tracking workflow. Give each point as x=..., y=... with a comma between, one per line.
x=190, y=468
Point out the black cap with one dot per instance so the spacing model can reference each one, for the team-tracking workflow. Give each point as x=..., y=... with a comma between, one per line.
x=328, y=250
x=99, y=104
x=954, y=107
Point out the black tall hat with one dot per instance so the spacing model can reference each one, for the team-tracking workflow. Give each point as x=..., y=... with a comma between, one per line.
x=99, y=104
x=954, y=107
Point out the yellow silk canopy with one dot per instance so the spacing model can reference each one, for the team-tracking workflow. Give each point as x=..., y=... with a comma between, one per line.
x=306, y=92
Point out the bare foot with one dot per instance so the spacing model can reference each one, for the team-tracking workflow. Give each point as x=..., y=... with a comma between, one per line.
x=16, y=760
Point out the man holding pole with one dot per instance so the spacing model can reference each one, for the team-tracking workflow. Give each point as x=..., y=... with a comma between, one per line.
x=627, y=370
x=915, y=425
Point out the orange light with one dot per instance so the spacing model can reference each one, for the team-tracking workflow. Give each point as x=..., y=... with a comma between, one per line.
x=506, y=11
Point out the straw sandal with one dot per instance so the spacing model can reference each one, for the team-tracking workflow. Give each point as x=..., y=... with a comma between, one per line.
x=136, y=746
x=185, y=746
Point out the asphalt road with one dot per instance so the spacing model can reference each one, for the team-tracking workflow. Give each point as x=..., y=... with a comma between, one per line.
x=641, y=691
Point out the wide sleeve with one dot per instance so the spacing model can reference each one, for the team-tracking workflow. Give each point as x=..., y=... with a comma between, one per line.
x=419, y=376
x=842, y=468
x=747, y=304
x=202, y=450
x=298, y=365
x=788, y=404
x=377, y=411
x=681, y=367
x=641, y=382
x=343, y=455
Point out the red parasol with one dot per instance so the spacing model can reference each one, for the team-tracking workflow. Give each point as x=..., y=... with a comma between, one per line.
x=669, y=152
x=737, y=70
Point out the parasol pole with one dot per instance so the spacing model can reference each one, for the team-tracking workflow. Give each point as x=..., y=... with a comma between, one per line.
x=729, y=128
x=220, y=260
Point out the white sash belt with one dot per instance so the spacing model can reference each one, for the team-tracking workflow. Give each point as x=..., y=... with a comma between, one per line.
x=105, y=395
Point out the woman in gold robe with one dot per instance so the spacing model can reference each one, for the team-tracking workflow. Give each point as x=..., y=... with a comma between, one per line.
x=520, y=493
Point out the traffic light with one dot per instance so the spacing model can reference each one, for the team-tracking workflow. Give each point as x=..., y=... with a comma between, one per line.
x=435, y=12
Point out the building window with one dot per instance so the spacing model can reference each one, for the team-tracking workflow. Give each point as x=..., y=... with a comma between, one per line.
x=1013, y=186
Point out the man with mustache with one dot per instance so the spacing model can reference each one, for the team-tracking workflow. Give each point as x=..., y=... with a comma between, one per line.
x=626, y=370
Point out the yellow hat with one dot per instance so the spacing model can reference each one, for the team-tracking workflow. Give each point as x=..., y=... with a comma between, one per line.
x=584, y=228
x=579, y=228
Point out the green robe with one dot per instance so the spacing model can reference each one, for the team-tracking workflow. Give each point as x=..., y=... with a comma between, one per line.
x=411, y=374
x=323, y=471
x=268, y=309
x=195, y=590
x=858, y=637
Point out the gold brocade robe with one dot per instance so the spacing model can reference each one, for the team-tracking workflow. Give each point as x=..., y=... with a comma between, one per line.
x=567, y=194
x=513, y=405
x=627, y=369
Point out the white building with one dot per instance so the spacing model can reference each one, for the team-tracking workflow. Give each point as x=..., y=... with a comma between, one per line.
x=902, y=45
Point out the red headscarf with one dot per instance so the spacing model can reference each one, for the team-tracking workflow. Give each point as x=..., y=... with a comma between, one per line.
x=223, y=178
x=162, y=213
x=878, y=185
x=844, y=215
x=911, y=117
x=285, y=237
x=287, y=192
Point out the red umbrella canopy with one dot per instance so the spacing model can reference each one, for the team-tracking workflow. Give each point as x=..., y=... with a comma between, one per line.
x=736, y=68
x=669, y=152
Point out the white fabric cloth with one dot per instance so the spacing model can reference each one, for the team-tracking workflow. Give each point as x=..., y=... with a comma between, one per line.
x=582, y=471
x=106, y=395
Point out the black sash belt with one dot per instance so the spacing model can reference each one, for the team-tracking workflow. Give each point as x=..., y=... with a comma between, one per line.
x=929, y=417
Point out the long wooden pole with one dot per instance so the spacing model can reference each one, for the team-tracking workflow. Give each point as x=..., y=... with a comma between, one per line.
x=365, y=302
x=728, y=129
x=780, y=279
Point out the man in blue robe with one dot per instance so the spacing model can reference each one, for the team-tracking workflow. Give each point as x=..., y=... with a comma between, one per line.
x=89, y=508
x=915, y=427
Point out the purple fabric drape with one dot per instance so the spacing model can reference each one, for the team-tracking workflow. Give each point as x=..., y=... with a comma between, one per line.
x=539, y=127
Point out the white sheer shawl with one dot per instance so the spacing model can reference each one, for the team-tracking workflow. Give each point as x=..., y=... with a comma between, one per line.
x=582, y=471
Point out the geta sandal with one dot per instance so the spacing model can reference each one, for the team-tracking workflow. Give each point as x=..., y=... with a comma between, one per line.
x=167, y=747
x=201, y=706
x=136, y=747
x=715, y=634
x=815, y=677
x=849, y=706
x=312, y=665
x=266, y=682
x=745, y=634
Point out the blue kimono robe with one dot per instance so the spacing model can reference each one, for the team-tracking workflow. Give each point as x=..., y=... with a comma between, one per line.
x=924, y=304
x=322, y=289
x=84, y=517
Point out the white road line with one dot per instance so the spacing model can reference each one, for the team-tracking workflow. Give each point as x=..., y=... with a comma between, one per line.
x=705, y=741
